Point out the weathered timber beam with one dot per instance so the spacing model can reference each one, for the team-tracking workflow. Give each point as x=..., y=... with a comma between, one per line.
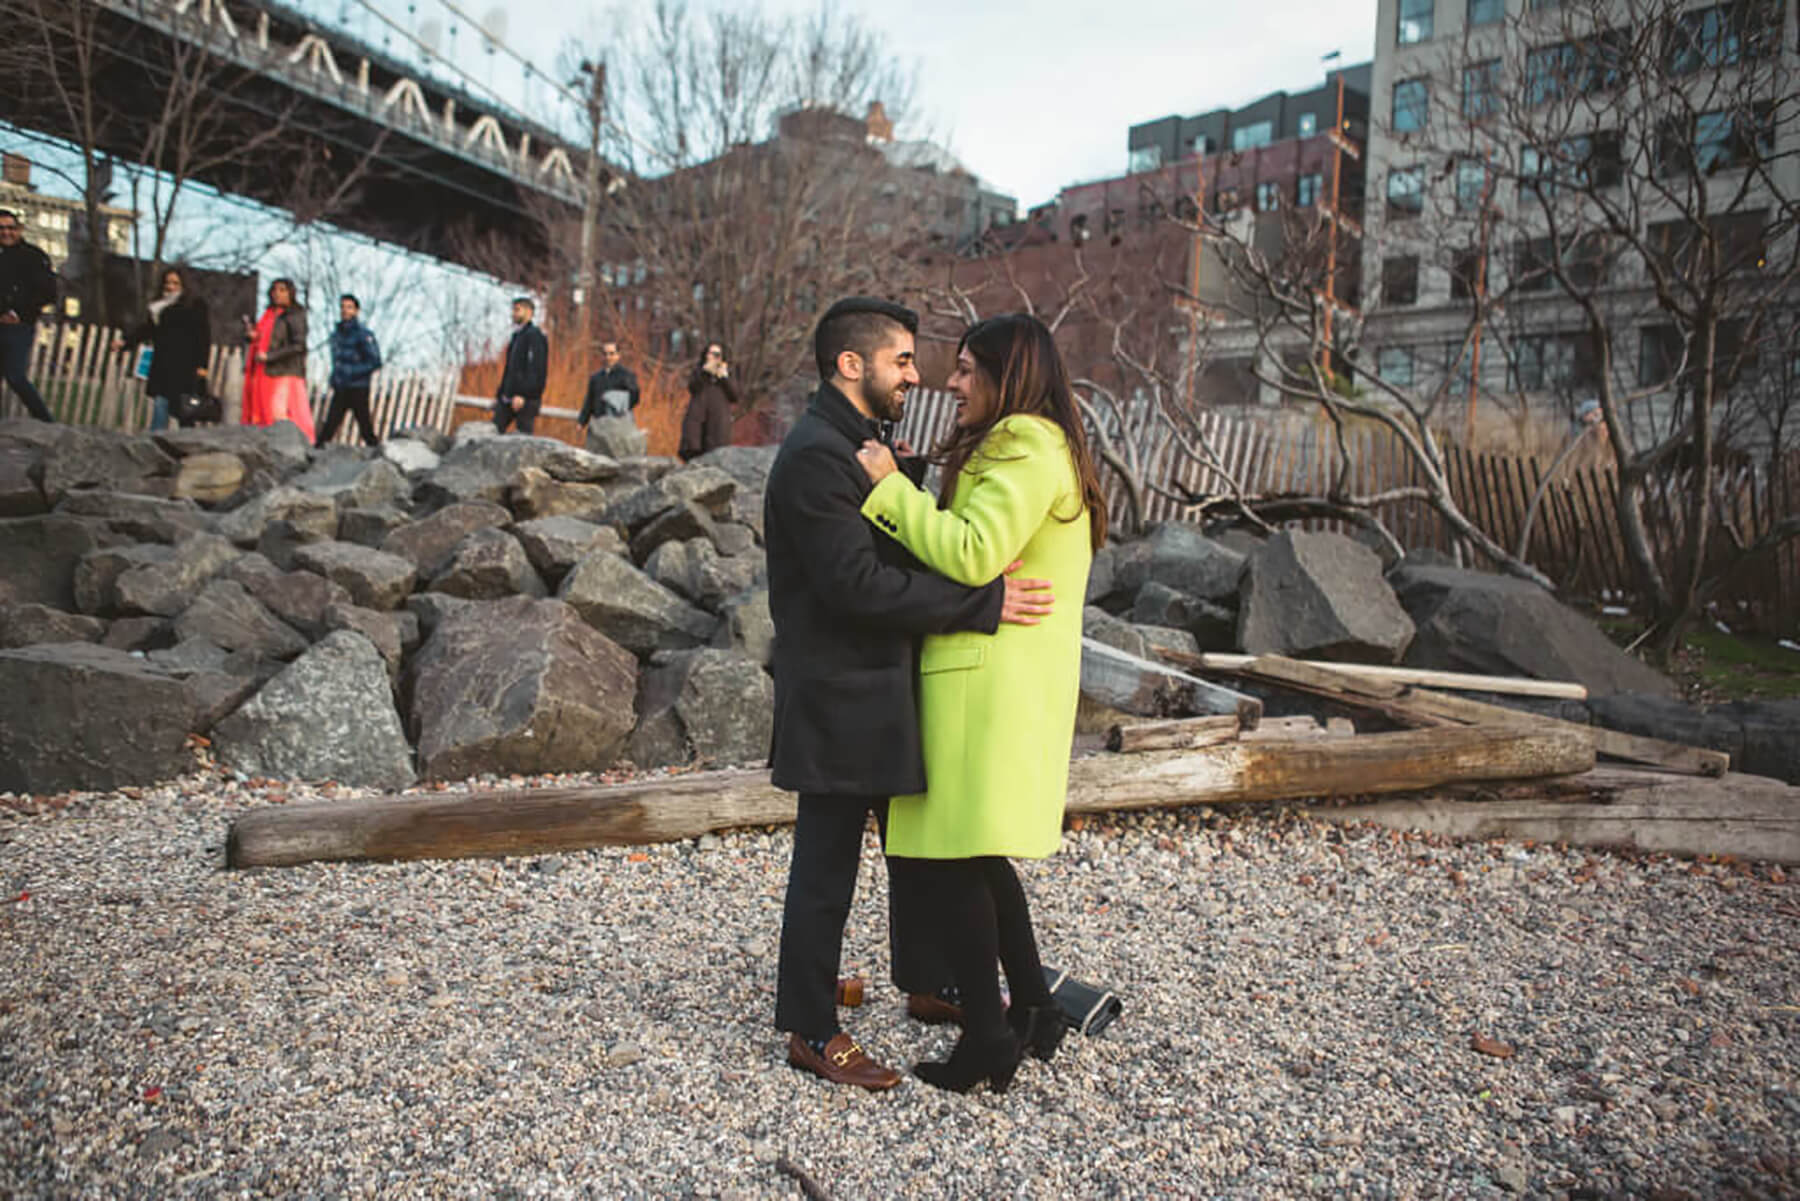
x=1456, y=680
x=1173, y=734
x=663, y=810
x=1125, y=682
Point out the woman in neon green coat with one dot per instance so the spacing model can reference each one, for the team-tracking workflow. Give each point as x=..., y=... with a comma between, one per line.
x=997, y=711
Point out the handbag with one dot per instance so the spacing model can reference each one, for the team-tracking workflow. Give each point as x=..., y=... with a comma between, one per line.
x=198, y=408
x=1088, y=1009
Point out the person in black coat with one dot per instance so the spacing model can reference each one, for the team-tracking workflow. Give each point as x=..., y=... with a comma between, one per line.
x=521, y=391
x=612, y=391
x=180, y=335
x=27, y=284
x=706, y=425
x=849, y=605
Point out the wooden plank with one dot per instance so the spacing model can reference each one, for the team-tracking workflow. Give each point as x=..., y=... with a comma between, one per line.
x=1181, y=733
x=1672, y=756
x=1133, y=685
x=1744, y=816
x=666, y=809
x=1281, y=669
x=1462, y=681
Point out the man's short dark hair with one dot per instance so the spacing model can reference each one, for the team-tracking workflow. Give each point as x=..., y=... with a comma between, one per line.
x=861, y=324
x=527, y=301
x=352, y=299
x=13, y=215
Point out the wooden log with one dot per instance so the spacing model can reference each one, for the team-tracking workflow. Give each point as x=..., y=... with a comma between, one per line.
x=1181, y=733
x=1745, y=816
x=1456, y=680
x=663, y=810
x=1672, y=756
x=1300, y=726
x=1125, y=682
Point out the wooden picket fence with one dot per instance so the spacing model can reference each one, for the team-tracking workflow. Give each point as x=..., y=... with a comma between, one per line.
x=1574, y=537
x=85, y=382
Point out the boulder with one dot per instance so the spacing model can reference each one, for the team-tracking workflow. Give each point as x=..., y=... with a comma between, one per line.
x=282, y=540
x=96, y=578
x=33, y=624
x=632, y=609
x=353, y=482
x=747, y=626
x=410, y=455
x=92, y=458
x=429, y=542
x=637, y=508
x=329, y=715
x=28, y=433
x=722, y=705
x=1183, y=558
x=1116, y=632
x=369, y=526
x=533, y=493
x=708, y=486
x=748, y=465
x=733, y=539
x=139, y=518
x=616, y=438
x=38, y=555
x=1320, y=596
x=698, y=572
x=428, y=436
x=555, y=544
x=1213, y=627
x=270, y=454
x=486, y=565
x=1100, y=575
x=192, y=655
x=165, y=588
x=1130, y=568
x=1495, y=625
x=681, y=523
x=643, y=469
x=139, y=634
x=519, y=686
x=211, y=478
x=428, y=609
x=76, y=715
x=20, y=495
x=299, y=598
x=481, y=468
x=747, y=511
x=306, y=511
x=374, y=579
x=226, y=615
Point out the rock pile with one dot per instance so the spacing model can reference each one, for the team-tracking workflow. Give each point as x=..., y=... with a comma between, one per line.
x=439, y=607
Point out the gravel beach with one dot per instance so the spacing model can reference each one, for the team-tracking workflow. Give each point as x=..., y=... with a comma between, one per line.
x=1311, y=1010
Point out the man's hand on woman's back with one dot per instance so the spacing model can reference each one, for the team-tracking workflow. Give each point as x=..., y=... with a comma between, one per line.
x=1027, y=601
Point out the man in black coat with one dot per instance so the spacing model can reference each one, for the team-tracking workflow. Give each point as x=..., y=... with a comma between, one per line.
x=27, y=284
x=521, y=391
x=849, y=604
x=612, y=391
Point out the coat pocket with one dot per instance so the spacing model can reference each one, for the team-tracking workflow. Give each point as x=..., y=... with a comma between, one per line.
x=951, y=658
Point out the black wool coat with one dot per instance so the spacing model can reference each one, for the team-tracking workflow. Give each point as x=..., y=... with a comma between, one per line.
x=849, y=605
x=181, y=342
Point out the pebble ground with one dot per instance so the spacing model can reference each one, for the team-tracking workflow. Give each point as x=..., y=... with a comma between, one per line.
x=1311, y=1010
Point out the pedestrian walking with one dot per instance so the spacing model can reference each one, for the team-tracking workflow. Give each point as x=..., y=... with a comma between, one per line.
x=275, y=380
x=355, y=357
x=527, y=368
x=179, y=331
x=612, y=391
x=27, y=284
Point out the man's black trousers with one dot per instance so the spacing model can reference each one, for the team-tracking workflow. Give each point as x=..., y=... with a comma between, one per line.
x=525, y=416
x=828, y=834
x=354, y=401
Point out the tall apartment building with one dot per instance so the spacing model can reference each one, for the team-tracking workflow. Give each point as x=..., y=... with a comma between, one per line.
x=1591, y=177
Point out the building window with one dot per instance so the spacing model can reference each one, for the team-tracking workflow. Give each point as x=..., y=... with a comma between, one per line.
x=1533, y=260
x=1308, y=125
x=1458, y=369
x=1400, y=280
x=1659, y=355
x=1225, y=200
x=1202, y=144
x=1471, y=184
x=1582, y=68
x=1588, y=160
x=1481, y=89
x=1722, y=35
x=1466, y=273
x=1307, y=189
x=1414, y=21
x=1739, y=240
x=1486, y=12
x=1249, y=137
x=1410, y=105
x=1395, y=365
x=1145, y=158
x=1406, y=192
x=1550, y=362
x=1268, y=196
x=1715, y=141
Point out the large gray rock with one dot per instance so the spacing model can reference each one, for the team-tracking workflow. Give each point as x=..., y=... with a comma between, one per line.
x=632, y=609
x=643, y=469
x=211, y=478
x=533, y=493
x=139, y=634
x=1495, y=625
x=281, y=540
x=616, y=438
x=1213, y=627
x=706, y=485
x=329, y=715
x=681, y=523
x=75, y=715
x=140, y=518
x=429, y=542
x=95, y=582
x=195, y=654
x=428, y=609
x=392, y=633
x=1116, y=632
x=306, y=511
x=226, y=615
x=487, y=565
x=1184, y=559
x=716, y=706
x=1130, y=569
x=165, y=588
x=369, y=526
x=519, y=686
x=299, y=598
x=355, y=483
x=91, y=458
x=410, y=455
x=734, y=539
x=747, y=626
x=747, y=511
x=374, y=579
x=38, y=555
x=1100, y=575
x=698, y=572
x=1320, y=596
x=637, y=508
x=555, y=544
x=269, y=453
x=20, y=495
x=748, y=465
x=482, y=468
x=33, y=624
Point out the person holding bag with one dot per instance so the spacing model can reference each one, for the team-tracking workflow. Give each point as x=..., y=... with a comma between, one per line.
x=997, y=711
x=180, y=335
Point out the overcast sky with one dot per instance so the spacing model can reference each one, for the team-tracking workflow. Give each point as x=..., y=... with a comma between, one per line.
x=1030, y=96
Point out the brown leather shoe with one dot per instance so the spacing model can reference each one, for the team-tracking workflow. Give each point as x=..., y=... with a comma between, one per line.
x=932, y=1010
x=844, y=1062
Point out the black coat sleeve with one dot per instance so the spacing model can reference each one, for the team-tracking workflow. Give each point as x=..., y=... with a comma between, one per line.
x=535, y=370
x=819, y=503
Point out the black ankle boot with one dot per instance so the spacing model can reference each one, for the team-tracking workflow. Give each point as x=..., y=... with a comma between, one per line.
x=971, y=1062
x=1039, y=1028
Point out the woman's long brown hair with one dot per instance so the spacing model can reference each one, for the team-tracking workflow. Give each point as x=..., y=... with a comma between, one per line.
x=1018, y=355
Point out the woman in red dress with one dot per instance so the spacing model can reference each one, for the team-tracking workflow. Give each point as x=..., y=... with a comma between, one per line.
x=275, y=377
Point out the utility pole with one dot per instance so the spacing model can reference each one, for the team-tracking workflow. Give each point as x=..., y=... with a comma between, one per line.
x=590, y=203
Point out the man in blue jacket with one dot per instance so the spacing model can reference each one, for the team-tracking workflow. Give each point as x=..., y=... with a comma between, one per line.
x=522, y=380
x=355, y=356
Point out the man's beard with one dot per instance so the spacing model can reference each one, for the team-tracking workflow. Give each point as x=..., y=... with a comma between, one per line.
x=882, y=399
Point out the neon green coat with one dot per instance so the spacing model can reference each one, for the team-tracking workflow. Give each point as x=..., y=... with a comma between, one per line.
x=997, y=711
